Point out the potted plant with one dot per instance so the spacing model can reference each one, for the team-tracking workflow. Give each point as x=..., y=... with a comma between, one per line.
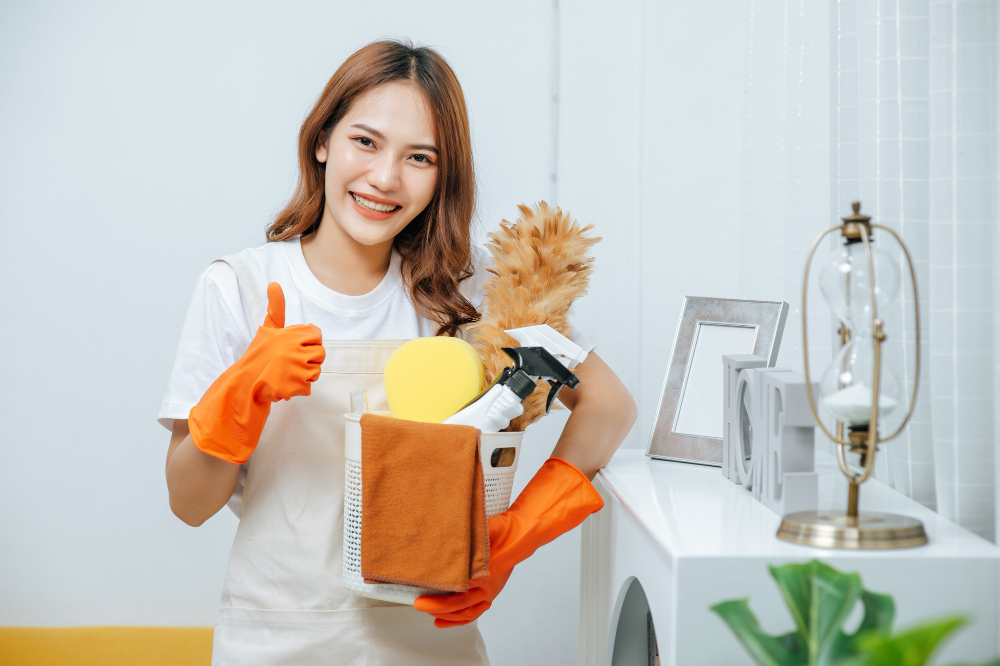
x=820, y=599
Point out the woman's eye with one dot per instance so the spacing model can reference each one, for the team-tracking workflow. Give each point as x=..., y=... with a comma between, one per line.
x=423, y=159
x=364, y=141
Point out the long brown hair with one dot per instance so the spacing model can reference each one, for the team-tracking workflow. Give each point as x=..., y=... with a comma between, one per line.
x=436, y=246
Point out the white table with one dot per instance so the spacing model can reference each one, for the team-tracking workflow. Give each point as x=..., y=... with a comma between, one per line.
x=679, y=537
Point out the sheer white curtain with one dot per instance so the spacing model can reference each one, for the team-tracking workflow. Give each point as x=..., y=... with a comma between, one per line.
x=881, y=104
x=893, y=103
x=962, y=90
x=786, y=162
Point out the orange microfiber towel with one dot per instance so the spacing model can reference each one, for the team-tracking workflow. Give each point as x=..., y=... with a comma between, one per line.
x=423, y=515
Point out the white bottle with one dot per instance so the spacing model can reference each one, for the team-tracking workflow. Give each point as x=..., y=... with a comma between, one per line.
x=492, y=412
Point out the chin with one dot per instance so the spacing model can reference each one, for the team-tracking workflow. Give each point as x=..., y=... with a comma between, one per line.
x=371, y=242
x=369, y=236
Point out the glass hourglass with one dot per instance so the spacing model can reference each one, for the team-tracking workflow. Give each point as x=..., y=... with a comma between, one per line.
x=846, y=384
x=857, y=390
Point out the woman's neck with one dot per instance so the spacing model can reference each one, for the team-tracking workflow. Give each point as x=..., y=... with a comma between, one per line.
x=341, y=263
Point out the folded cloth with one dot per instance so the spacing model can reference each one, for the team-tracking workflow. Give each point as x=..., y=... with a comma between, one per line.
x=423, y=504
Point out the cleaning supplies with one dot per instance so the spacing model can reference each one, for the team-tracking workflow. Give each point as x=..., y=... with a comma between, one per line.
x=540, y=267
x=492, y=410
x=568, y=352
x=424, y=505
x=429, y=379
x=499, y=456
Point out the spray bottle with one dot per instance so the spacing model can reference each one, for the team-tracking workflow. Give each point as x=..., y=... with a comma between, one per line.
x=546, y=354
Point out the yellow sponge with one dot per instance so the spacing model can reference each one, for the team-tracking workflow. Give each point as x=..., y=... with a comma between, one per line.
x=429, y=379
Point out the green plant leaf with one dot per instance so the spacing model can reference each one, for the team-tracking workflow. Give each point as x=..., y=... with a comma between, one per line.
x=912, y=647
x=880, y=611
x=765, y=649
x=820, y=599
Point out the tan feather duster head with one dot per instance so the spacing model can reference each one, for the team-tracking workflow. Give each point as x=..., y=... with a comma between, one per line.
x=540, y=266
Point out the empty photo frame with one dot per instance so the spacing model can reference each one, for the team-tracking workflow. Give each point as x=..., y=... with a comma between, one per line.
x=689, y=419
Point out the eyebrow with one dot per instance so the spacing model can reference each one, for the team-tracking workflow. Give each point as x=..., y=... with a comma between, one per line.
x=378, y=135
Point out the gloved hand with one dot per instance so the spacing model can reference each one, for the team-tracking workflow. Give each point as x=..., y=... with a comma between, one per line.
x=279, y=363
x=452, y=610
x=557, y=499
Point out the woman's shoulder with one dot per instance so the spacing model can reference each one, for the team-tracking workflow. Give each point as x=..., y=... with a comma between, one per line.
x=263, y=261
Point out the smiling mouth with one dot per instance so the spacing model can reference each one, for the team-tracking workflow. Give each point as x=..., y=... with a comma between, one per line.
x=371, y=205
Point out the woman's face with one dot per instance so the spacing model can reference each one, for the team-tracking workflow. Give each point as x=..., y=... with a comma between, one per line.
x=381, y=163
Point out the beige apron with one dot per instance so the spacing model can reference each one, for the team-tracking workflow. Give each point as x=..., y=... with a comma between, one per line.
x=283, y=601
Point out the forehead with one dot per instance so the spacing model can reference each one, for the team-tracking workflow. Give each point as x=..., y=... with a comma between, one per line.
x=398, y=110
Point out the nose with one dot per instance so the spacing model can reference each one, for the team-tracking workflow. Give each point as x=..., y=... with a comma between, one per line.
x=384, y=173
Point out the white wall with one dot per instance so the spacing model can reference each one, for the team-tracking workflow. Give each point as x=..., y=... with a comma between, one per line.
x=650, y=131
x=138, y=143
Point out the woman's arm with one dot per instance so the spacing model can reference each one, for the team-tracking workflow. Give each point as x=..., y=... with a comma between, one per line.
x=603, y=412
x=198, y=484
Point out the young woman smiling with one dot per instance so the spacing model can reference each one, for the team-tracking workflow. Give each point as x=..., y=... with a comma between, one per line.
x=373, y=249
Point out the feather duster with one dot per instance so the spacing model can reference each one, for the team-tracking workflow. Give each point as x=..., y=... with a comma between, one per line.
x=540, y=266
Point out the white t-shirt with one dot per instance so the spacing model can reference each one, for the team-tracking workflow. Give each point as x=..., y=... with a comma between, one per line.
x=217, y=329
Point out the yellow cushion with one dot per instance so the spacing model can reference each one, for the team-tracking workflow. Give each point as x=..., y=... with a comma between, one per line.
x=429, y=379
x=105, y=646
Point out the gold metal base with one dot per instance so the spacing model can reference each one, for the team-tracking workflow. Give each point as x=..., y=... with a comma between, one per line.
x=827, y=529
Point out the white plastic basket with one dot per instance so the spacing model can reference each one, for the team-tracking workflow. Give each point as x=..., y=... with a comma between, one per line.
x=499, y=480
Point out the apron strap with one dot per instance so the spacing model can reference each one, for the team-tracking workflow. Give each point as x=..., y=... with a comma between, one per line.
x=251, y=294
x=248, y=287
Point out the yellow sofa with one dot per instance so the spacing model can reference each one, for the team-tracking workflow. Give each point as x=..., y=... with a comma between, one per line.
x=105, y=646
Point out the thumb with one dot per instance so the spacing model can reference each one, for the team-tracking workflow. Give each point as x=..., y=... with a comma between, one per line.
x=275, y=307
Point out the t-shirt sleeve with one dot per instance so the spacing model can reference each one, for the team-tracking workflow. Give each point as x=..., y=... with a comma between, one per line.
x=215, y=334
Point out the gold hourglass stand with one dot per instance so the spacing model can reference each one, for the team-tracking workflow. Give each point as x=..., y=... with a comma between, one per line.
x=857, y=529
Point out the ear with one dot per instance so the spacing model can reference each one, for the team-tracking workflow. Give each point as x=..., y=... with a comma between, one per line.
x=321, y=149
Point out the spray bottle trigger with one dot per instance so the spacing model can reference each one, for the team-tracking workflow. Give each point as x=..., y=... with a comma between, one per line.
x=552, y=394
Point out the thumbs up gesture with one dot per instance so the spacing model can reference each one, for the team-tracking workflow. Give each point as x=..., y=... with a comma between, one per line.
x=280, y=362
x=292, y=355
x=275, y=306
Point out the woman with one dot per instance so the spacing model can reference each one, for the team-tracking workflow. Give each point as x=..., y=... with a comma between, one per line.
x=374, y=249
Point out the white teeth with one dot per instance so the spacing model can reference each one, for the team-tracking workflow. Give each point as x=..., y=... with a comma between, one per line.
x=371, y=205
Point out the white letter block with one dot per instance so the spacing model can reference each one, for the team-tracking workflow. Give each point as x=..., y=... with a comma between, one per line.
x=732, y=365
x=788, y=482
x=748, y=467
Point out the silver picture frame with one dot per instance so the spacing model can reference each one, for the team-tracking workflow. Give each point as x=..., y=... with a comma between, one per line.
x=689, y=417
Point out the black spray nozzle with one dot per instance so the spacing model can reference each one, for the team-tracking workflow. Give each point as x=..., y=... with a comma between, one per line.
x=531, y=362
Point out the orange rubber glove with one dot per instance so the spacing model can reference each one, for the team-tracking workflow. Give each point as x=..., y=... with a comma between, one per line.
x=558, y=498
x=279, y=363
